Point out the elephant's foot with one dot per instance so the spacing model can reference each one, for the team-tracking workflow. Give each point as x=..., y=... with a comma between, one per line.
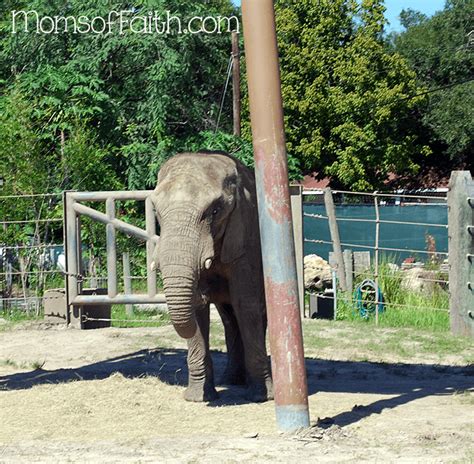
x=260, y=392
x=199, y=393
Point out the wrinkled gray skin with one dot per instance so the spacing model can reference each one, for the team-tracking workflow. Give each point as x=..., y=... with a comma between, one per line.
x=209, y=252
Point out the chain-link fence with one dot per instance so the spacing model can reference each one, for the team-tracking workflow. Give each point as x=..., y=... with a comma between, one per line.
x=31, y=249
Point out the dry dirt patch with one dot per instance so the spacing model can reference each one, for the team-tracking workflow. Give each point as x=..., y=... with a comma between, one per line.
x=115, y=395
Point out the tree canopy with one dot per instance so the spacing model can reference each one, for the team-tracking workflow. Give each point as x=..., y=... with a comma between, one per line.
x=92, y=111
x=124, y=102
x=348, y=100
x=441, y=52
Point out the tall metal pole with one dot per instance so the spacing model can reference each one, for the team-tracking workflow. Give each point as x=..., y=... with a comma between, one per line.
x=127, y=280
x=236, y=82
x=278, y=250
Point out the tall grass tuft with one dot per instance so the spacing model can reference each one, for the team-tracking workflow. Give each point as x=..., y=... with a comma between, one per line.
x=425, y=309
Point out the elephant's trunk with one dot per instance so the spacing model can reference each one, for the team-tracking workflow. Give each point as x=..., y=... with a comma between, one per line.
x=179, y=292
x=179, y=258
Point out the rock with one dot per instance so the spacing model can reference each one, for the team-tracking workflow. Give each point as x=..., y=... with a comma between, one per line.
x=410, y=264
x=317, y=273
x=419, y=280
x=393, y=267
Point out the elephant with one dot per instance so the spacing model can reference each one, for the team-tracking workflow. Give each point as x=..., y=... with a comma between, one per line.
x=209, y=252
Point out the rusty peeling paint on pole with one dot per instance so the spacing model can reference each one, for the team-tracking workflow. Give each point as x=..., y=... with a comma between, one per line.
x=271, y=170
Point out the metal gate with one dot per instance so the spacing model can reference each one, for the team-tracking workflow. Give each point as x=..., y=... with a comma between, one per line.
x=74, y=208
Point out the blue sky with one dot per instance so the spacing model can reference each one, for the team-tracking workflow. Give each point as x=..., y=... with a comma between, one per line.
x=394, y=7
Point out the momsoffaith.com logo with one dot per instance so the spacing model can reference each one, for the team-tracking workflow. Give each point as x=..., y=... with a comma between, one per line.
x=122, y=22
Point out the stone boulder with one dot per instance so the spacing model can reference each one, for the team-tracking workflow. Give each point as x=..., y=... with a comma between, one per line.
x=420, y=280
x=317, y=273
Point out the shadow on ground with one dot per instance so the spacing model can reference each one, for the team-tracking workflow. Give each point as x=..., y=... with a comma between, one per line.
x=405, y=382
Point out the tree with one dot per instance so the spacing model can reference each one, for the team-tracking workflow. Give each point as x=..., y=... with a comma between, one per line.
x=140, y=96
x=348, y=101
x=437, y=48
x=28, y=168
x=409, y=18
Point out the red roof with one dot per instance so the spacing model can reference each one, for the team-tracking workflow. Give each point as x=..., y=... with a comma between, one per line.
x=429, y=178
x=311, y=181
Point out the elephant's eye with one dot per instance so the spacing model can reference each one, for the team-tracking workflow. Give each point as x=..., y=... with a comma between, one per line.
x=215, y=211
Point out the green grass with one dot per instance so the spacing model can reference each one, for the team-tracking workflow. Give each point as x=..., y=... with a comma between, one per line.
x=436, y=321
x=422, y=310
x=8, y=362
x=16, y=316
x=359, y=343
x=13, y=316
x=35, y=365
x=138, y=319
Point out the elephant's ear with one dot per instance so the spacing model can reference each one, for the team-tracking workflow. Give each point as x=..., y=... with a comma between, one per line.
x=242, y=232
x=236, y=231
x=233, y=243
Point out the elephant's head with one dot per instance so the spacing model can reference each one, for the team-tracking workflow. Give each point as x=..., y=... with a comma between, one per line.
x=198, y=201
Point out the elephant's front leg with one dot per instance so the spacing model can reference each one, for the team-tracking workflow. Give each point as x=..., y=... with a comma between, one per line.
x=201, y=375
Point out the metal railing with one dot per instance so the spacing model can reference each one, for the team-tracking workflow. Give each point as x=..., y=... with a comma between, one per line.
x=460, y=204
x=74, y=209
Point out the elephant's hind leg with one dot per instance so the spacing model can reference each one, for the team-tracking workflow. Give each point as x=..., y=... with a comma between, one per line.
x=250, y=315
x=201, y=376
x=234, y=373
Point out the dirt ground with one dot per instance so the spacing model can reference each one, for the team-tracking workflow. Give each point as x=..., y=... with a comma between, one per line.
x=115, y=395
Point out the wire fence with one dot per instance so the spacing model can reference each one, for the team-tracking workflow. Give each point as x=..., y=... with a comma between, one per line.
x=31, y=238
x=32, y=252
x=340, y=224
x=403, y=254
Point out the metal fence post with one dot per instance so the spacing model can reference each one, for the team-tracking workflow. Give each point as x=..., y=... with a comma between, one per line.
x=127, y=281
x=461, y=252
x=72, y=267
x=236, y=83
x=334, y=289
x=377, y=245
x=278, y=250
x=336, y=241
x=111, y=250
x=8, y=283
x=296, y=193
x=150, y=219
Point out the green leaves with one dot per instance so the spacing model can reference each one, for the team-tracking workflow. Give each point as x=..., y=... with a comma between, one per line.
x=438, y=50
x=346, y=98
x=137, y=97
